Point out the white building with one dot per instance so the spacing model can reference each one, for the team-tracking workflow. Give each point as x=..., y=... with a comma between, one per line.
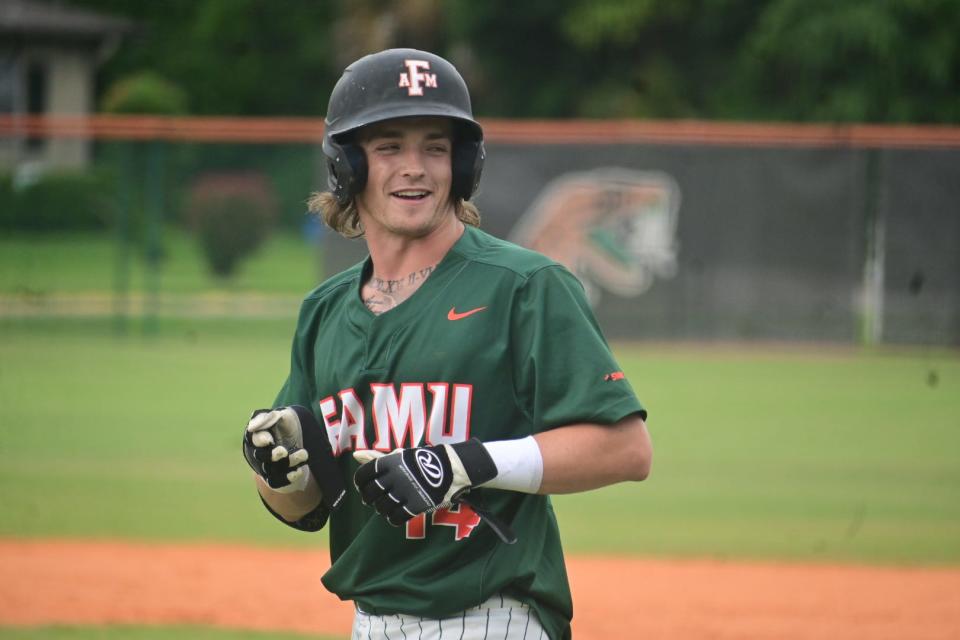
x=49, y=53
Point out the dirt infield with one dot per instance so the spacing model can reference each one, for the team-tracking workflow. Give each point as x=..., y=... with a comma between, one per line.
x=98, y=583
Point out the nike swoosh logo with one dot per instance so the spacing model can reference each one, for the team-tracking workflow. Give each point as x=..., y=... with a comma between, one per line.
x=453, y=315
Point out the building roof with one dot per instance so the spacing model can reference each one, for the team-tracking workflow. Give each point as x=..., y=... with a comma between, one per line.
x=36, y=18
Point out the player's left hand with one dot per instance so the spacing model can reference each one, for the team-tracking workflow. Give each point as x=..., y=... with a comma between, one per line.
x=407, y=482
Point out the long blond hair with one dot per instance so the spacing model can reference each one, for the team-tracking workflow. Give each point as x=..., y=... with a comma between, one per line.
x=345, y=219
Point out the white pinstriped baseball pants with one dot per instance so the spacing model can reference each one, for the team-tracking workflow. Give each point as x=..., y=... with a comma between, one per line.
x=499, y=618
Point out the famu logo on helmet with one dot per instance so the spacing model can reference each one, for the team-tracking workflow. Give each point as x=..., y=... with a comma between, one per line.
x=615, y=228
x=412, y=78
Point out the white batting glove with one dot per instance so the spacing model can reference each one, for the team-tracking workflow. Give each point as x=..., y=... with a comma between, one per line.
x=283, y=424
x=294, y=447
x=282, y=466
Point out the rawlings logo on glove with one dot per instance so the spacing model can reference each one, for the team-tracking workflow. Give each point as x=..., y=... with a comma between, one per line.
x=408, y=482
x=430, y=466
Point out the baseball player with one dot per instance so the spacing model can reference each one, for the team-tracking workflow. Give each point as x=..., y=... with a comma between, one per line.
x=442, y=388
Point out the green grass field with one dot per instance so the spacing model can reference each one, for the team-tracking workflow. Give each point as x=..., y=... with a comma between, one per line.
x=758, y=455
x=75, y=263
x=820, y=456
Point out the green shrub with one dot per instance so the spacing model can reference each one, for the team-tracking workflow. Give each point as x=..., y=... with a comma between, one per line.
x=232, y=214
x=58, y=201
x=144, y=92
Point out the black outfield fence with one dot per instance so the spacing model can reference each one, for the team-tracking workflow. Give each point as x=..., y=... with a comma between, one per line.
x=679, y=230
x=691, y=231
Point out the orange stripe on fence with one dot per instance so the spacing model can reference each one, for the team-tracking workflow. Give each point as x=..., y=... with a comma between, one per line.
x=666, y=132
x=184, y=129
x=695, y=132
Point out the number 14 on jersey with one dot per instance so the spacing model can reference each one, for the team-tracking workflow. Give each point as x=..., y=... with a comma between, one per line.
x=461, y=517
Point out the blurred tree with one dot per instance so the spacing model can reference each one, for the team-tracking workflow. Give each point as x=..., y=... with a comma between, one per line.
x=600, y=58
x=857, y=60
x=365, y=26
x=254, y=57
x=871, y=61
x=144, y=92
x=866, y=60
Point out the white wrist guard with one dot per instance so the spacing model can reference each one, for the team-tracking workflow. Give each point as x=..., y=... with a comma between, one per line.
x=519, y=465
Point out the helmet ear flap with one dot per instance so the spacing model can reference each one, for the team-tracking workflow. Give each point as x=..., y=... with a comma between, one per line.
x=467, y=167
x=346, y=169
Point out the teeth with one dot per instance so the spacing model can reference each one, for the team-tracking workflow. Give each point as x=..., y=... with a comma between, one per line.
x=410, y=194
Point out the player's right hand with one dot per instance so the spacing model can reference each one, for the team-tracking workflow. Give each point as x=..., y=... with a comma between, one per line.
x=283, y=466
x=283, y=423
x=283, y=437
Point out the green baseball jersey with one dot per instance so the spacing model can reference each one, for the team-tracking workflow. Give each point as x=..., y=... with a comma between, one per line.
x=498, y=343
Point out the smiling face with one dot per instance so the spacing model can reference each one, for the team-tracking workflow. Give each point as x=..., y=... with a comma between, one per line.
x=408, y=176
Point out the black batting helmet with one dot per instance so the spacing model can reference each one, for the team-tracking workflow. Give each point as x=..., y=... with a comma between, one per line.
x=399, y=83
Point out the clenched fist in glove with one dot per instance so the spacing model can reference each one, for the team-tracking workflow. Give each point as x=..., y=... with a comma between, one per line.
x=407, y=482
x=287, y=447
x=282, y=470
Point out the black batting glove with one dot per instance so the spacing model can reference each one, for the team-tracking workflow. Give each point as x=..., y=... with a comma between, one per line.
x=403, y=484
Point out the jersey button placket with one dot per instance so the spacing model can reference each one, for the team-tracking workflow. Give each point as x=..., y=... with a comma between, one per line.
x=378, y=340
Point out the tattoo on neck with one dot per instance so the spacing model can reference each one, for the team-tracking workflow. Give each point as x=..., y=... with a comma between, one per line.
x=394, y=286
x=379, y=303
x=381, y=295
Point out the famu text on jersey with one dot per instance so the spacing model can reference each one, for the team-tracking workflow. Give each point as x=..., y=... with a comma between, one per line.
x=400, y=416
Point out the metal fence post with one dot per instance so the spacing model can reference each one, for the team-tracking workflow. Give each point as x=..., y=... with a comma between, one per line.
x=156, y=153
x=121, y=271
x=872, y=302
